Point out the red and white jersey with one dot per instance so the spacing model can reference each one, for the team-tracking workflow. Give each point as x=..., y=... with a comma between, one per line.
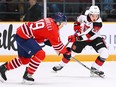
x=42, y=30
x=88, y=30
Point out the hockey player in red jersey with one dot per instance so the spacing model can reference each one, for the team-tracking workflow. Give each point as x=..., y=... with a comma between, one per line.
x=28, y=35
x=88, y=27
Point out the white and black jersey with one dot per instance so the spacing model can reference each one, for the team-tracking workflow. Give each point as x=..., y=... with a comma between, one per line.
x=89, y=30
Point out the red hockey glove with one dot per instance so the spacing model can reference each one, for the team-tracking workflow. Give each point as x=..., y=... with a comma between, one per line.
x=72, y=38
x=77, y=26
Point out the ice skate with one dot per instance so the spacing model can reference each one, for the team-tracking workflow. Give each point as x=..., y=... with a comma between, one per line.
x=3, y=69
x=27, y=78
x=57, y=68
x=95, y=72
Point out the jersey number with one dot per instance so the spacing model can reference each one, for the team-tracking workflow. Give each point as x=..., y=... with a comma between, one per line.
x=37, y=25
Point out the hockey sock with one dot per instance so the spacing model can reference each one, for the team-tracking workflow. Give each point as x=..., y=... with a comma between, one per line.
x=35, y=61
x=64, y=61
x=17, y=62
x=13, y=64
x=99, y=62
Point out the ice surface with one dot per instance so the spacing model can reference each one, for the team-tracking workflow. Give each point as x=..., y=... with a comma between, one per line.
x=72, y=75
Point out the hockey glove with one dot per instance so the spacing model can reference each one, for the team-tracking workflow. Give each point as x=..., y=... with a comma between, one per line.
x=67, y=55
x=77, y=26
x=47, y=43
x=72, y=38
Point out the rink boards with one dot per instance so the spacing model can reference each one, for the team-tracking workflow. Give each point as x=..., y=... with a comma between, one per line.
x=55, y=58
x=8, y=49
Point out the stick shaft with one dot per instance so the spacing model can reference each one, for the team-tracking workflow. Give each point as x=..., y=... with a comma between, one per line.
x=85, y=66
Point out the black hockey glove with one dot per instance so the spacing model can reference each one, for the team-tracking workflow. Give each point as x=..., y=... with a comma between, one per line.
x=47, y=43
x=67, y=55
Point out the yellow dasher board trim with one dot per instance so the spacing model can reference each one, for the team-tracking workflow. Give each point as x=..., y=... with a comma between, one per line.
x=55, y=58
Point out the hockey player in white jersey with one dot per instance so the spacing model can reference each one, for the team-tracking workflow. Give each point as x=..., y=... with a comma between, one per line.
x=88, y=27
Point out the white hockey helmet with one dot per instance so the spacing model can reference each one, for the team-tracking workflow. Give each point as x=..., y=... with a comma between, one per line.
x=94, y=10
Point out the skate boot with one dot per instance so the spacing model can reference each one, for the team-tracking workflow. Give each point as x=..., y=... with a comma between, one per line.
x=57, y=68
x=3, y=69
x=27, y=78
x=95, y=72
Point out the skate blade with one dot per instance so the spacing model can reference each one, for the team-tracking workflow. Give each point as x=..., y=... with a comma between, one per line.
x=53, y=71
x=1, y=79
x=27, y=82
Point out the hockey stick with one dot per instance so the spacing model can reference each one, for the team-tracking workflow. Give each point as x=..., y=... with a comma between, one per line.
x=70, y=39
x=86, y=66
x=68, y=42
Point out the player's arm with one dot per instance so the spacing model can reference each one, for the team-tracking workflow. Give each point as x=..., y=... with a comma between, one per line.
x=77, y=26
x=90, y=31
x=77, y=30
x=61, y=49
x=59, y=46
x=87, y=34
x=94, y=28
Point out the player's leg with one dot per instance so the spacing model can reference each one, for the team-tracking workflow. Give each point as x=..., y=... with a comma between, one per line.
x=3, y=69
x=34, y=50
x=33, y=65
x=99, y=45
x=64, y=61
x=77, y=47
x=22, y=59
x=14, y=63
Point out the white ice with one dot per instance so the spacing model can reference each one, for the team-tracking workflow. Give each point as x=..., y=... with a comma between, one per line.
x=72, y=75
